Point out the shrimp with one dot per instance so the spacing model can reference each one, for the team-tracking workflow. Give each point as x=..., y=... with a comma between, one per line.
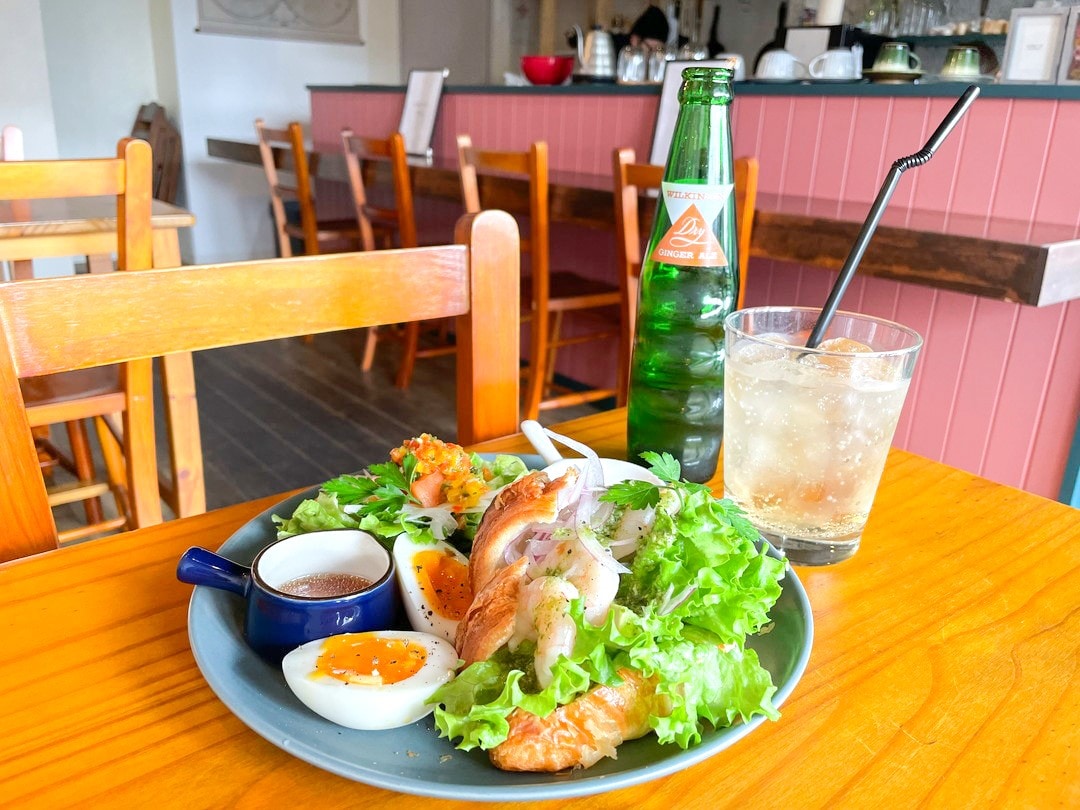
x=543, y=616
x=570, y=560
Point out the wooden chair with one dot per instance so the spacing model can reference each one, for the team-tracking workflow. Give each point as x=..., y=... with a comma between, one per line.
x=109, y=396
x=387, y=221
x=631, y=179
x=180, y=310
x=153, y=126
x=550, y=293
x=11, y=148
x=315, y=234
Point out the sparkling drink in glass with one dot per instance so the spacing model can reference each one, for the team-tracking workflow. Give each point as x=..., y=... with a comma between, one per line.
x=807, y=431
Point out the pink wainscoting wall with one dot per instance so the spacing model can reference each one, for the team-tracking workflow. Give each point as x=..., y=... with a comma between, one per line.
x=997, y=390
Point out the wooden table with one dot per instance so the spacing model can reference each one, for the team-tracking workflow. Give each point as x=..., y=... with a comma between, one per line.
x=1001, y=259
x=87, y=225
x=944, y=670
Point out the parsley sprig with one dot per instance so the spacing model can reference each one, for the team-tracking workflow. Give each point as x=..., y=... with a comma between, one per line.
x=644, y=494
x=385, y=490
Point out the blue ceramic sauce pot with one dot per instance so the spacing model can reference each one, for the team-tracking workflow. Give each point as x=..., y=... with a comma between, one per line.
x=304, y=587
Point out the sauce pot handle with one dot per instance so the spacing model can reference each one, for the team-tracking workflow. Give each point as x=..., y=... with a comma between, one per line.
x=198, y=566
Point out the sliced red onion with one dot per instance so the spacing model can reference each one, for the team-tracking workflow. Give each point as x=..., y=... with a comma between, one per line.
x=514, y=550
x=441, y=520
x=623, y=548
x=592, y=544
x=591, y=482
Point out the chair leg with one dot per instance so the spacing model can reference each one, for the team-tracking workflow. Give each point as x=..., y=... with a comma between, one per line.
x=553, y=343
x=81, y=457
x=537, y=354
x=47, y=458
x=115, y=468
x=411, y=342
x=371, y=340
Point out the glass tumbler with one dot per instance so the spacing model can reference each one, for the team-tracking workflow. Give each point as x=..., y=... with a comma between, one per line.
x=807, y=431
x=633, y=64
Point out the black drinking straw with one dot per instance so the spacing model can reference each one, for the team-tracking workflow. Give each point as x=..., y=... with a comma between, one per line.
x=878, y=208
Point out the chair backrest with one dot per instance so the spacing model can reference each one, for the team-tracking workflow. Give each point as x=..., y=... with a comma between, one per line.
x=127, y=177
x=120, y=317
x=746, y=178
x=631, y=179
x=153, y=126
x=403, y=214
x=292, y=138
x=531, y=166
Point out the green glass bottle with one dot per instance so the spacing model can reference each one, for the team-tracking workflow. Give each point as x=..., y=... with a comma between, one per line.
x=689, y=284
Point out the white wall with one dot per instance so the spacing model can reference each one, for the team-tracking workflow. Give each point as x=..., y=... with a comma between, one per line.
x=101, y=69
x=455, y=36
x=25, y=100
x=226, y=82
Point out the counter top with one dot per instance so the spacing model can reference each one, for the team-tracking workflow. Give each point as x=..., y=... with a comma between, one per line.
x=993, y=257
x=928, y=88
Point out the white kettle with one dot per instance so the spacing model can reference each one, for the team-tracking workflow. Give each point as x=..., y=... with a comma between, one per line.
x=596, y=53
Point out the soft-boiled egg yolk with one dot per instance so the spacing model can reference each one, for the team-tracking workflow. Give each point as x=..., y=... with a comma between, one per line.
x=370, y=681
x=369, y=659
x=445, y=580
x=434, y=583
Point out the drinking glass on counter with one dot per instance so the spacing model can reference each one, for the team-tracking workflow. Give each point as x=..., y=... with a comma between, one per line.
x=807, y=431
x=633, y=65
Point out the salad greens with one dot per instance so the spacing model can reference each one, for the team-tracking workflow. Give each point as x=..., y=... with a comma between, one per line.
x=697, y=587
x=382, y=501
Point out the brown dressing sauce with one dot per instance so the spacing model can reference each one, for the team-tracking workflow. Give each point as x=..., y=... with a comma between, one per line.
x=324, y=585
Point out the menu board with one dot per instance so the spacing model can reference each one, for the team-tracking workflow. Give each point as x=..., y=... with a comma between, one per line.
x=422, y=96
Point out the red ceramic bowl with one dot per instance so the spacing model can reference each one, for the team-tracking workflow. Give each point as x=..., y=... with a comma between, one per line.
x=547, y=69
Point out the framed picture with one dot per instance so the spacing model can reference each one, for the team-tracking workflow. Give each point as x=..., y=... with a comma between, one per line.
x=422, y=96
x=668, y=110
x=325, y=21
x=1033, y=47
x=1069, y=72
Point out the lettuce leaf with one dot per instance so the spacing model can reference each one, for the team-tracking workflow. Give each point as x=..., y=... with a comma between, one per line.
x=474, y=705
x=504, y=469
x=382, y=505
x=315, y=514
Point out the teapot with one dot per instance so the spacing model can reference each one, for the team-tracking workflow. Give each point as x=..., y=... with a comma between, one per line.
x=596, y=53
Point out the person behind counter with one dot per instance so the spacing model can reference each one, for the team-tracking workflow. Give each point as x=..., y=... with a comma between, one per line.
x=650, y=29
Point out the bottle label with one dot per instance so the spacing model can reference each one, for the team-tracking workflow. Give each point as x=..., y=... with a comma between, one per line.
x=692, y=209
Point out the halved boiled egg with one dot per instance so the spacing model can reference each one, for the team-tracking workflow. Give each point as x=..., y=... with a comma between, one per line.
x=434, y=583
x=373, y=680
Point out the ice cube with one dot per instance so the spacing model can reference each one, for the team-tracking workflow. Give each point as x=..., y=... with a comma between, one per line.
x=841, y=361
x=751, y=352
x=843, y=344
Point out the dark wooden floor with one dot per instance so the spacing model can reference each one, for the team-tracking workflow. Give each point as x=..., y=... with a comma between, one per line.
x=284, y=414
x=287, y=413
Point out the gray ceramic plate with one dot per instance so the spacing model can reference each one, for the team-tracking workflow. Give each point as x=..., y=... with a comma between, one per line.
x=414, y=759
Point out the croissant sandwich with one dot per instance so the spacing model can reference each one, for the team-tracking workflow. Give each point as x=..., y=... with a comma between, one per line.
x=603, y=614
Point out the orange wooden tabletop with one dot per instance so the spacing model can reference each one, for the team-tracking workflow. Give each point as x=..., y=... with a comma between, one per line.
x=944, y=671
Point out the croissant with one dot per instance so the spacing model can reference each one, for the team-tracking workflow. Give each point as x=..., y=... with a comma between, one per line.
x=531, y=499
x=591, y=726
x=583, y=731
x=489, y=621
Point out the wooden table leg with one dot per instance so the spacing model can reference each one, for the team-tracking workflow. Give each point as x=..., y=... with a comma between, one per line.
x=187, y=494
